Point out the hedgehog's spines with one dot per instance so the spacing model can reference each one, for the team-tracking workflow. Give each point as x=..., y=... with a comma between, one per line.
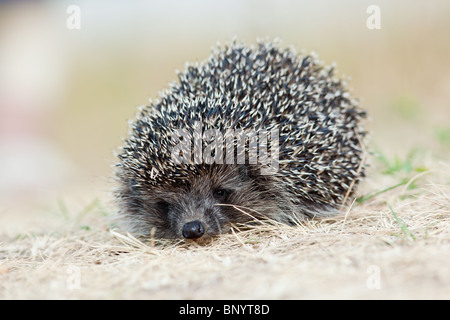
x=257, y=87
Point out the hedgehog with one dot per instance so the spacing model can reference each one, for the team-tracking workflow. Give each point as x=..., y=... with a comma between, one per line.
x=189, y=170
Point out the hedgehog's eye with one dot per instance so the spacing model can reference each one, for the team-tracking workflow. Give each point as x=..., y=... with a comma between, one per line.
x=163, y=206
x=221, y=194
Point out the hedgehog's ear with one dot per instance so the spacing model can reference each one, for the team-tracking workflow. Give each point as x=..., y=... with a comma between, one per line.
x=243, y=171
x=133, y=188
x=249, y=172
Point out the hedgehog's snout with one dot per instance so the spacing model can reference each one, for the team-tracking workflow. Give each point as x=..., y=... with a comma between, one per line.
x=193, y=230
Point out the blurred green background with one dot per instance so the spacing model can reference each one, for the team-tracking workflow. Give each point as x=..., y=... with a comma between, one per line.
x=66, y=95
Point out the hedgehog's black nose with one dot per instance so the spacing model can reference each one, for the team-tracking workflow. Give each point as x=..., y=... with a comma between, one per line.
x=193, y=230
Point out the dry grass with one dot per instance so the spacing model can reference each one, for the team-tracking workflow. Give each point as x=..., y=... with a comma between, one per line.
x=395, y=245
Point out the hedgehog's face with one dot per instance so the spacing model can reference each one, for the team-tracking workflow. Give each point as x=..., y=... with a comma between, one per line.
x=205, y=205
x=196, y=211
